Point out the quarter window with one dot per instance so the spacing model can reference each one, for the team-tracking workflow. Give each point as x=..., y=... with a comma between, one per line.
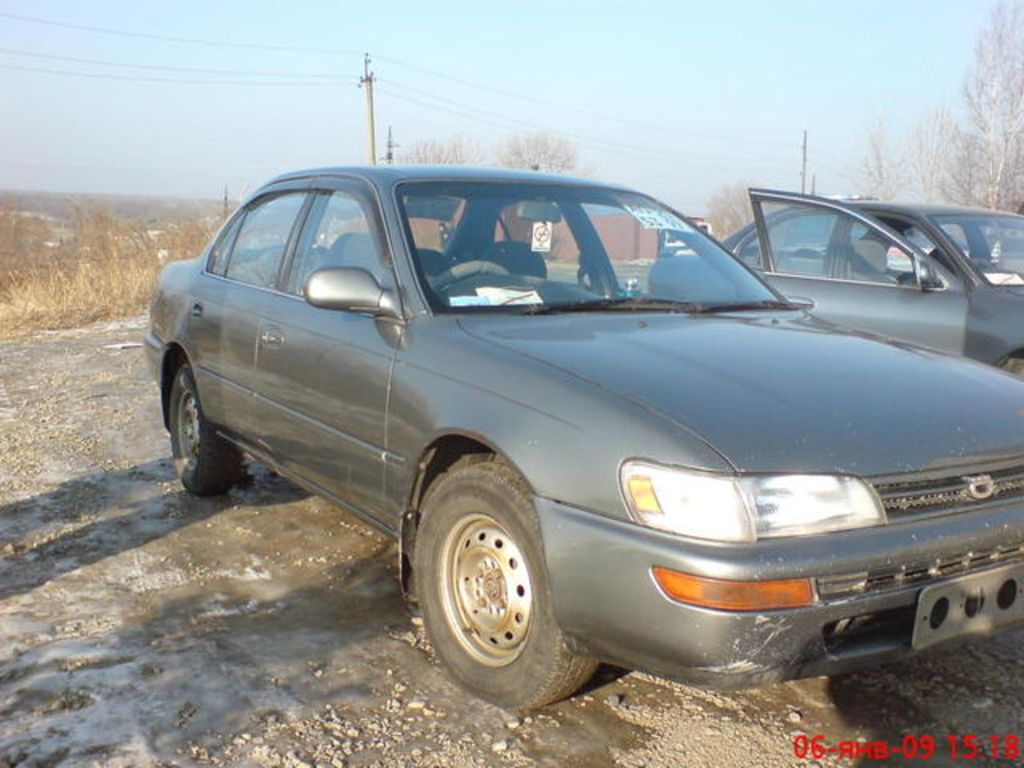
x=262, y=239
x=337, y=234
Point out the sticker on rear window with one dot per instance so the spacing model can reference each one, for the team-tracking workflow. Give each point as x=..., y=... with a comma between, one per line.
x=540, y=241
x=657, y=218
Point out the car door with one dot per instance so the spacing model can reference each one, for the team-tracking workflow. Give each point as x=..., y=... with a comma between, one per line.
x=245, y=280
x=325, y=373
x=859, y=273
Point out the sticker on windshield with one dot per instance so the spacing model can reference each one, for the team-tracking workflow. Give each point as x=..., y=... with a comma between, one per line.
x=651, y=217
x=1004, y=278
x=508, y=296
x=540, y=241
x=468, y=301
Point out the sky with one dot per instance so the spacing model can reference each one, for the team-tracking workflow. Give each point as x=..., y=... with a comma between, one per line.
x=672, y=98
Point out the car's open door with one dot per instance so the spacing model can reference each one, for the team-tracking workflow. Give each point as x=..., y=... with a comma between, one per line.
x=858, y=272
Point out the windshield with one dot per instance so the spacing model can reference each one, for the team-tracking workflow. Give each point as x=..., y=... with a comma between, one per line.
x=533, y=247
x=993, y=243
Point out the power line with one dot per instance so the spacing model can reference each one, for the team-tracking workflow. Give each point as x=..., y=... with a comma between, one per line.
x=577, y=110
x=169, y=68
x=173, y=38
x=600, y=144
x=398, y=62
x=518, y=123
x=142, y=79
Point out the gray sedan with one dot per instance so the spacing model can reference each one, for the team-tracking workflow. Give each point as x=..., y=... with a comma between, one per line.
x=945, y=277
x=589, y=446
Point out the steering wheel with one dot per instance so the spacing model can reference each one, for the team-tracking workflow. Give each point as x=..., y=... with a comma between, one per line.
x=466, y=270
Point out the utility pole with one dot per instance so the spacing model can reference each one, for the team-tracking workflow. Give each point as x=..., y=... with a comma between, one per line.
x=225, y=216
x=389, y=155
x=367, y=81
x=803, y=167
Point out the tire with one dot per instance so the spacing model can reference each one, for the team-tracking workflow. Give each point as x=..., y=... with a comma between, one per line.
x=484, y=592
x=207, y=464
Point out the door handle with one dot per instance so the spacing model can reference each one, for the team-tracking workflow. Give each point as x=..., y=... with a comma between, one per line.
x=271, y=337
x=197, y=309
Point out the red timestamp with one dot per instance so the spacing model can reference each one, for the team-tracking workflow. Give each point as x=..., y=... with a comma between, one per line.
x=967, y=746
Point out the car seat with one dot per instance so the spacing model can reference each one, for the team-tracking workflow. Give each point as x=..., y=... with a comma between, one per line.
x=517, y=258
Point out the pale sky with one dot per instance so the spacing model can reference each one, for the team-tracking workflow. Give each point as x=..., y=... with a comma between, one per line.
x=673, y=98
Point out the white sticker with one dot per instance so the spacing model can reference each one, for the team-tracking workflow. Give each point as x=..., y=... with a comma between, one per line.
x=468, y=301
x=540, y=242
x=508, y=296
x=1004, y=278
x=657, y=218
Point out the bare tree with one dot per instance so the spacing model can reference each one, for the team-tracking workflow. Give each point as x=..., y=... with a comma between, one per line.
x=989, y=148
x=455, y=150
x=881, y=173
x=538, y=152
x=728, y=209
x=927, y=154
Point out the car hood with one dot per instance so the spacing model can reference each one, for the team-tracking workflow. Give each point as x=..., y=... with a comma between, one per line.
x=783, y=393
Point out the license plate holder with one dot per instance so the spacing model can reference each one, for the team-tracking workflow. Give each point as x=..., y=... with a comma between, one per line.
x=976, y=604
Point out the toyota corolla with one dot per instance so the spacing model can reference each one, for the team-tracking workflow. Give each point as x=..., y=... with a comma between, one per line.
x=589, y=446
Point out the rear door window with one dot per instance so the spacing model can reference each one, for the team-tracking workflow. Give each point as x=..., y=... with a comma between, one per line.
x=337, y=233
x=262, y=239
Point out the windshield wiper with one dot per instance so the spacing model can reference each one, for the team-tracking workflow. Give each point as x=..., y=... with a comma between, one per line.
x=616, y=304
x=743, y=306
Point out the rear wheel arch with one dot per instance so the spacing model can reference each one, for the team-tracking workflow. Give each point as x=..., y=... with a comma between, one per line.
x=175, y=357
x=445, y=453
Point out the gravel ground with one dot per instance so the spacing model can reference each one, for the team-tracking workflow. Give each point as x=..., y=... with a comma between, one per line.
x=143, y=627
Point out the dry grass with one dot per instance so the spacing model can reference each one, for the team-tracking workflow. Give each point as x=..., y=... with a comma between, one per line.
x=105, y=270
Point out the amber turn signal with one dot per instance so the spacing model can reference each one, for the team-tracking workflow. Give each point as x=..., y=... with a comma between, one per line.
x=727, y=595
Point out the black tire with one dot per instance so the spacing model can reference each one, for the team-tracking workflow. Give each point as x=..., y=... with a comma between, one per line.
x=208, y=465
x=538, y=667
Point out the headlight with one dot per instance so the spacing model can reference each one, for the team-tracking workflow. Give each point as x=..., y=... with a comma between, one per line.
x=707, y=505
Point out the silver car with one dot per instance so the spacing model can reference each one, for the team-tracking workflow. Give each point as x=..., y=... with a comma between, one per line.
x=596, y=435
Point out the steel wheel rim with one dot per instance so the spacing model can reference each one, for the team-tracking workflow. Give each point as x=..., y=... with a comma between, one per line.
x=486, y=590
x=188, y=429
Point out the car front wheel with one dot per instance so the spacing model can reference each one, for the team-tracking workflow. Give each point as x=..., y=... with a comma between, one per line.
x=484, y=590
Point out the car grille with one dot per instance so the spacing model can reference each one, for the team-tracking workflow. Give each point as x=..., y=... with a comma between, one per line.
x=907, y=497
x=882, y=579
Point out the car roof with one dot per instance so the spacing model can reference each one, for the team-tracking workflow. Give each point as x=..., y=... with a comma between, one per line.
x=393, y=174
x=923, y=209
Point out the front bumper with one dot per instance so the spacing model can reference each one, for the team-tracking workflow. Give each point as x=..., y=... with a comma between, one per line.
x=606, y=599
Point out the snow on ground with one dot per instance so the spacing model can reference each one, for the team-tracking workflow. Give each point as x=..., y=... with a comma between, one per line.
x=140, y=626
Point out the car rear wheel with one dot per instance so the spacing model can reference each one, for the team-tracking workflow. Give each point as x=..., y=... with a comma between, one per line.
x=207, y=464
x=484, y=591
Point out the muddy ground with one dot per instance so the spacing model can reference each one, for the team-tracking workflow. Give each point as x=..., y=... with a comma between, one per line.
x=142, y=627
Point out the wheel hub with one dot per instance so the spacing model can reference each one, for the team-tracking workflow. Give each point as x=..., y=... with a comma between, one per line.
x=486, y=590
x=188, y=428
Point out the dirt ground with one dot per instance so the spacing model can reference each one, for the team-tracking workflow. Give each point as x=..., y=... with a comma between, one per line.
x=142, y=627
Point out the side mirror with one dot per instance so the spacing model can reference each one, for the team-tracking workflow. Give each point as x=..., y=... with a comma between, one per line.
x=350, y=290
x=927, y=276
x=801, y=302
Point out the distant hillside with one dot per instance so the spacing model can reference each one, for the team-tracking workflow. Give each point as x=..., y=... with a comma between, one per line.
x=61, y=206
